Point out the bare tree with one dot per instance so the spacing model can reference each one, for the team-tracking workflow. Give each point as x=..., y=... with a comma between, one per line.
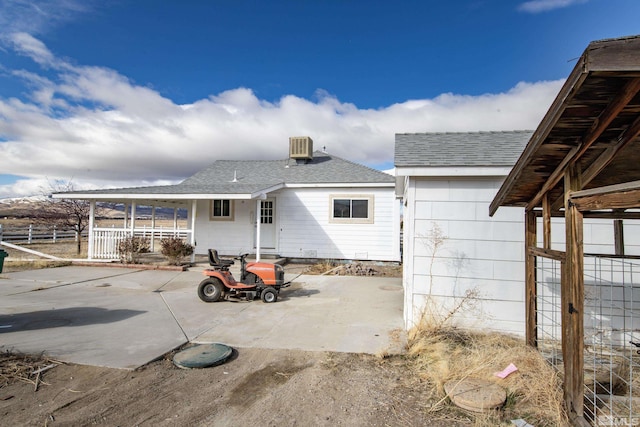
x=64, y=214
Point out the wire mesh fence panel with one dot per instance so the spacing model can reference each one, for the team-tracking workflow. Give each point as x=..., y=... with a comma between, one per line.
x=611, y=334
x=612, y=340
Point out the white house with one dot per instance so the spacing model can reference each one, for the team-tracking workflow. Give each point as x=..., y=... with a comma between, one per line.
x=447, y=182
x=309, y=205
x=451, y=245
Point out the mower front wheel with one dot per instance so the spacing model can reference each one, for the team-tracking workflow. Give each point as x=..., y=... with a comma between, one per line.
x=269, y=295
x=210, y=290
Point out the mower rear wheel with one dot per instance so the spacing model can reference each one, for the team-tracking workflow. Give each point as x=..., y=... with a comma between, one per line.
x=210, y=290
x=269, y=295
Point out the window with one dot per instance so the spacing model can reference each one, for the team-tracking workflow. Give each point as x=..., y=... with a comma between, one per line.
x=352, y=209
x=222, y=210
x=266, y=214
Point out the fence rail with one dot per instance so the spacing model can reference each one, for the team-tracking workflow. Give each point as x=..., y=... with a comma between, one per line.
x=106, y=240
x=35, y=233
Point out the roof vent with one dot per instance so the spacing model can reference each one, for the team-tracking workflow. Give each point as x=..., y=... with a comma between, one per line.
x=301, y=147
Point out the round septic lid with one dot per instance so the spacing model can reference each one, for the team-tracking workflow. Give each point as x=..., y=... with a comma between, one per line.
x=474, y=394
x=202, y=356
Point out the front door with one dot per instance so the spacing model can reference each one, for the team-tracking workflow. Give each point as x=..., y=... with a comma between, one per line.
x=267, y=224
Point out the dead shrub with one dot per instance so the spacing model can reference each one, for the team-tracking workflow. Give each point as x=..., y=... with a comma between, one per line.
x=131, y=248
x=175, y=250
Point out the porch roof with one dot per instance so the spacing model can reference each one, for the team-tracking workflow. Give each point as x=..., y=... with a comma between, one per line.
x=594, y=123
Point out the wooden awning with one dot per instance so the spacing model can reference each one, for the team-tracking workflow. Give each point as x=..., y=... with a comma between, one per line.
x=593, y=123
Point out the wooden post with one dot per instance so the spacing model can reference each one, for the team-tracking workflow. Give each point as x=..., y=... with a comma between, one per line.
x=531, y=296
x=618, y=236
x=546, y=221
x=572, y=298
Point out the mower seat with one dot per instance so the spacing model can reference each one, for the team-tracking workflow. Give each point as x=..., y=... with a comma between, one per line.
x=216, y=262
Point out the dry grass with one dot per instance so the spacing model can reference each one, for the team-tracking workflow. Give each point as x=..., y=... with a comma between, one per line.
x=20, y=261
x=534, y=392
x=16, y=367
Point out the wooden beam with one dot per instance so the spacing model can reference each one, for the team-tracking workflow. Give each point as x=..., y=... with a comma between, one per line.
x=553, y=179
x=608, y=189
x=572, y=299
x=609, y=154
x=531, y=309
x=622, y=200
x=548, y=253
x=612, y=215
x=602, y=122
x=546, y=222
x=599, y=125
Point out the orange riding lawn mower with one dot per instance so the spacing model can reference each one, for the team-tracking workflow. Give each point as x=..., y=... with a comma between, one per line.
x=257, y=280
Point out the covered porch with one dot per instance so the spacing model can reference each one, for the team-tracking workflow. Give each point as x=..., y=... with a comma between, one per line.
x=103, y=241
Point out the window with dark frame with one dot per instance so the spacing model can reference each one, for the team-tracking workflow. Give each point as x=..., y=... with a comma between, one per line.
x=221, y=209
x=351, y=208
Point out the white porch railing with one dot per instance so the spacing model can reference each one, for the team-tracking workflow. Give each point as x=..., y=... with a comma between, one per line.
x=106, y=240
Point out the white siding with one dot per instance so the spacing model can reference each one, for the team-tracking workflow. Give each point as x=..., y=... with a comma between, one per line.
x=228, y=237
x=304, y=229
x=480, y=252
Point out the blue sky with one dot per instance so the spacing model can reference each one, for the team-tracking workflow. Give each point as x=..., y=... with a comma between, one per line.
x=123, y=93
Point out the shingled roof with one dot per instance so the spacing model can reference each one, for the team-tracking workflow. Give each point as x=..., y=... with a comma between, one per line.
x=501, y=148
x=322, y=169
x=251, y=177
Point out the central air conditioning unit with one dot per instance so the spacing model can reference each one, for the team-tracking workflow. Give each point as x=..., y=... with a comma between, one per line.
x=300, y=147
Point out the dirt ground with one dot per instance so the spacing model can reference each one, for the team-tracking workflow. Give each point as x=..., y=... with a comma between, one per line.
x=256, y=387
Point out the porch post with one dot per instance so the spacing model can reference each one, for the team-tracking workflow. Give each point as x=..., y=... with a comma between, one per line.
x=194, y=208
x=175, y=220
x=126, y=215
x=92, y=215
x=531, y=311
x=572, y=298
x=258, y=217
x=133, y=218
x=153, y=228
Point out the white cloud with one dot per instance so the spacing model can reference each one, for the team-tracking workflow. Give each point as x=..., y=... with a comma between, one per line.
x=38, y=16
x=26, y=44
x=537, y=6
x=97, y=126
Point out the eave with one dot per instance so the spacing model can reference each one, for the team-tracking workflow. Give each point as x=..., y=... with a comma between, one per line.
x=593, y=124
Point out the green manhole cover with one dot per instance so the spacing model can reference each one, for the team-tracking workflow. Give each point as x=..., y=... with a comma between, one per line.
x=202, y=356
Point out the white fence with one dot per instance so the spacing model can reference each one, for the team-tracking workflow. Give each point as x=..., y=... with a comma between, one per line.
x=106, y=240
x=36, y=233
